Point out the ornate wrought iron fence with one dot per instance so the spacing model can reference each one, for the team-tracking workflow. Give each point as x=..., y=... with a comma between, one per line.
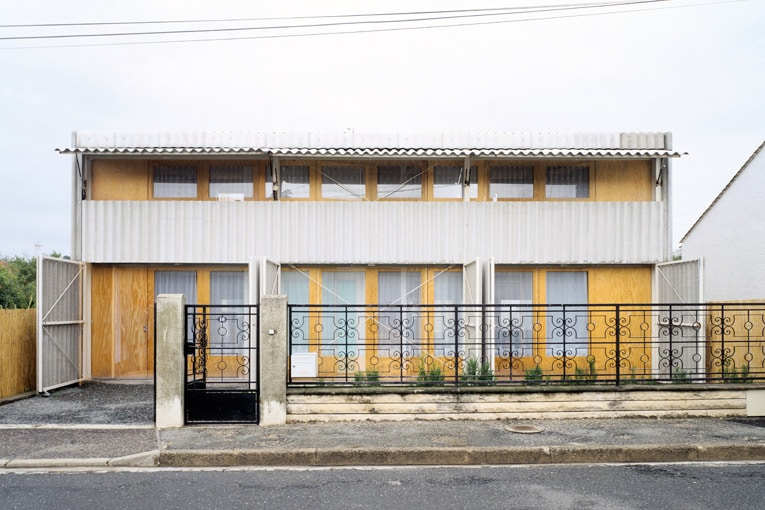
x=472, y=345
x=221, y=364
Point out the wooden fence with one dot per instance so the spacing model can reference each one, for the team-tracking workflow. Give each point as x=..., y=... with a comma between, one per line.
x=17, y=352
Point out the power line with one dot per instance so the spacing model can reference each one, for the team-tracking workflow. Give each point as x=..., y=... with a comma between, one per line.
x=391, y=29
x=474, y=14
x=326, y=16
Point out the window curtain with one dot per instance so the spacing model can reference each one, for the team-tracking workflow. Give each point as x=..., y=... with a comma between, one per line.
x=236, y=179
x=175, y=181
x=447, y=290
x=568, y=182
x=567, y=327
x=398, y=328
x=228, y=330
x=343, y=182
x=399, y=181
x=178, y=282
x=295, y=181
x=341, y=331
x=511, y=181
x=295, y=285
x=515, y=322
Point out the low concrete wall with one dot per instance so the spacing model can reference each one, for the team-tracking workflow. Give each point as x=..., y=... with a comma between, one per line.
x=304, y=406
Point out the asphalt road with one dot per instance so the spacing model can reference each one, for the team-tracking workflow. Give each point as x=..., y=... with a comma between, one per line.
x=676, y=486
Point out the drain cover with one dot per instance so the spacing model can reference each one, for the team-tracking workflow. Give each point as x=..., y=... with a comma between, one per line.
x=524, y=429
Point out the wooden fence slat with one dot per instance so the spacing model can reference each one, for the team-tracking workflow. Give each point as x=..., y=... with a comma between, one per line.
x=17, y=352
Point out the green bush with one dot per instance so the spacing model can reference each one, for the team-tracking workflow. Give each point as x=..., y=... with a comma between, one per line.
x=431, y=375
x=477, y=373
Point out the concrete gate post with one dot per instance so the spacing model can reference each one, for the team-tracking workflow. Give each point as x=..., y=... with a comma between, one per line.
x=273, y=360
x=169, y=363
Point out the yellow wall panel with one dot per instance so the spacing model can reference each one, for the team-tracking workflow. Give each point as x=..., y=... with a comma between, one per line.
x=119, y=180
x=131, y=317
x=102, y=328
x=623, y=180
x=620, y=284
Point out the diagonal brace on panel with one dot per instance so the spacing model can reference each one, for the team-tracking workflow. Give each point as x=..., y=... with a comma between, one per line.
x=63, y=293
x=58, y=346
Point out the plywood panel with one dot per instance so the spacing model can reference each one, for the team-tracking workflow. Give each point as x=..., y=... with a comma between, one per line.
x=620, y=284
x=102, y=328
x=625, y=180
x=119, y=180
x=120, y=345
x=131, y=314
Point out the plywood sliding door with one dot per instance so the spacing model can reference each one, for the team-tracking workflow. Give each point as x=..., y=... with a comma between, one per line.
x=121, y=346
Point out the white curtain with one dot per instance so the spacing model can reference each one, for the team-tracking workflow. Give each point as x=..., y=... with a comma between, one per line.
x=235, y=179
x=295, y=286
x=397, y=327
x=178, y=282
x=343, y=182
x=295, y=181
x=564, y=288
x=341, y=330
x=568, y=182
x=447, y=290
x=399, y=181
x=175, y=181
x=511, y=181
x=230, y=328
x=514, y=323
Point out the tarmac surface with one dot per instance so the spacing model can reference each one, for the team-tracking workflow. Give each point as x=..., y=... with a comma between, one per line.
x=99, y=425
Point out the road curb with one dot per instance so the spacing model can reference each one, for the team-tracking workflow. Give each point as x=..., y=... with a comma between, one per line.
x=143, y=459
x=462, y=456
x=57, y=463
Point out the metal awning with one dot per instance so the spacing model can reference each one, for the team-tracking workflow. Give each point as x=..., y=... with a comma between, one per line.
x=374, y=152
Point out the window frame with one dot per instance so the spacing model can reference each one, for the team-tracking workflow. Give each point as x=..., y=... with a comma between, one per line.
x=420, y=167
x=342, y=164
x=198, y=180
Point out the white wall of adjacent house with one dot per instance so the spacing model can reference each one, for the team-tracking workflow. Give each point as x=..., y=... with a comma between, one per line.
x=730, y=237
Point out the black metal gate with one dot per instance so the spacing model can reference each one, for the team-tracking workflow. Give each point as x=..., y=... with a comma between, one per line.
x=221, y=364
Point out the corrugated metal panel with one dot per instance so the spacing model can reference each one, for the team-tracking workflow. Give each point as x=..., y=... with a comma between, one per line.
x=679, y=282
x=373, y=232
x=59, y=323
x=383, y=144
x=381, y=153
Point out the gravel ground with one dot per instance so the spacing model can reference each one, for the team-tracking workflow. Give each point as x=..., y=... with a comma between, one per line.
x=91, y=403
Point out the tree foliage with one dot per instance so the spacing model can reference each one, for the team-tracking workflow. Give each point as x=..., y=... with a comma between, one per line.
x=18, y=282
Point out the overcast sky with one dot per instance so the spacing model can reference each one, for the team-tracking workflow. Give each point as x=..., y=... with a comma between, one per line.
x=695, y=68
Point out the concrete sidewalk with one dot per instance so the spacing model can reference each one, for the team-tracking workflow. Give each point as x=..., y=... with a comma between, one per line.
x=101, y=425
x=385, y=443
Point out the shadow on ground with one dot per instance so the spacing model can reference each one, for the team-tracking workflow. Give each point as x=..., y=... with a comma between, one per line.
x=92, y=403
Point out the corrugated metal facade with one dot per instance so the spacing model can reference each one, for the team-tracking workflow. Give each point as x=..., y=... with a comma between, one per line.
x=679, y=282
x=59, y=323
x=373, y=232
x=352, y=144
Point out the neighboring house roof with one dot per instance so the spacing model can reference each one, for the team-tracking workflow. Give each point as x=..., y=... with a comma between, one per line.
x=351, y=143
x=727, y=186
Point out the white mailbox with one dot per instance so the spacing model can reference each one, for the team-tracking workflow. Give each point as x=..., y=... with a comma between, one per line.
x=303, y=365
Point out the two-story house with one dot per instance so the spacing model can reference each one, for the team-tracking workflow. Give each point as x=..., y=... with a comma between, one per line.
x=360, y=218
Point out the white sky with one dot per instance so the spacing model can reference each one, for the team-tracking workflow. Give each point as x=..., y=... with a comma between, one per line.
x=695, y=68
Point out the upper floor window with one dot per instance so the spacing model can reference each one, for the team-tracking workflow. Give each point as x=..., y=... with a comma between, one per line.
x=231, y=180
x=567, y=181
x=511, y=181
x=399, y=181
x=449, y=182
x=175, y=181
x=343, y=182
x=295, y=181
